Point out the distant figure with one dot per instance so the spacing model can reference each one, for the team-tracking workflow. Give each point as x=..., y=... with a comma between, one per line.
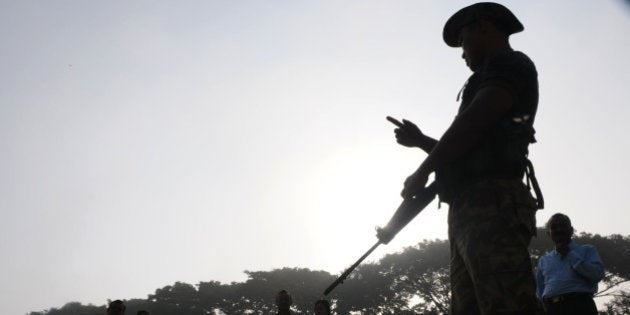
x=116, y=307
x=480, y=163
x=322, y=307
x=143, y=312
x=284, y=302
x=567, y=276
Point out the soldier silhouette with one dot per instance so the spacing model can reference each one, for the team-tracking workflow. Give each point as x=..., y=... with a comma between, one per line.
x=479, y=165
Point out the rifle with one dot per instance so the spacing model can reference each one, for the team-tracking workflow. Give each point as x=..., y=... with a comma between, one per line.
x=407, y=210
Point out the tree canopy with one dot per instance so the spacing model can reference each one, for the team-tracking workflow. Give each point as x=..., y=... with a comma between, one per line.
x=413, y=281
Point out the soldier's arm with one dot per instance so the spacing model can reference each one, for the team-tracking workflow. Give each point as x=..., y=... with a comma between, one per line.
x=427, y=143
x=409, y=135
x=485, y=111
x=423, y=142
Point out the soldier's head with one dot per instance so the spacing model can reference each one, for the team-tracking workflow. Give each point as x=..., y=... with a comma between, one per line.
x=283, y=300
x=559, y=228
x=116, y=307
x=480, y=29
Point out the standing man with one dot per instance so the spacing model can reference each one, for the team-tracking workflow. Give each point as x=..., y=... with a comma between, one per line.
x=116, y=307
x=284, y=302
x=567, y=277
x=480, y=162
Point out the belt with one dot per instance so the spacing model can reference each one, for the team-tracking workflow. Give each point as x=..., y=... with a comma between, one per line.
x=568, y=297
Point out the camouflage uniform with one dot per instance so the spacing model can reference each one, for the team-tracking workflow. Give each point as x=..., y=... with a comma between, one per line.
x=490, y=227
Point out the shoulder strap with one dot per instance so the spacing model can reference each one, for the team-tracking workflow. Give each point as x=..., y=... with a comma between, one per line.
x=532, y=182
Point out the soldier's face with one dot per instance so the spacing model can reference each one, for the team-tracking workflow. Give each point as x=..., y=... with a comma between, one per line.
x=471, y=39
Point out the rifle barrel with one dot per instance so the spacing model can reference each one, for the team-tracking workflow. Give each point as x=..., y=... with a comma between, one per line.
x=346, y=273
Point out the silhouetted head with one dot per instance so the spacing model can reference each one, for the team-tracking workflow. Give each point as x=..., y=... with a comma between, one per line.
x=322, y=307
x=283, y=300
x=481, y=29
x=559, y=228
x=116, y=307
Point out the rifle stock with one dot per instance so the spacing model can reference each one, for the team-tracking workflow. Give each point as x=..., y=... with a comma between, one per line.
x=409, y=209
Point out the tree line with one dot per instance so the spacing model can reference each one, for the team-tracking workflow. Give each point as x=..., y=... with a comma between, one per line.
x=413, y=281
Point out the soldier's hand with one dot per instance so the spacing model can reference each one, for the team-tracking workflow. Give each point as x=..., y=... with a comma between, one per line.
x=408, y=134
x=414, y=184
x=384, y=234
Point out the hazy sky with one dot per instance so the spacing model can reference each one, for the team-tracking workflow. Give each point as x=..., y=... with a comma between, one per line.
x=148, y=142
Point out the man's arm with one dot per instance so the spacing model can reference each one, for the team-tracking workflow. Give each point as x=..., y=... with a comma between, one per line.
x=485, y=111
x=540, y=280
x=590, y=266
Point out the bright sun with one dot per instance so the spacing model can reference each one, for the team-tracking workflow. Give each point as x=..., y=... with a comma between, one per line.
x=353, y=192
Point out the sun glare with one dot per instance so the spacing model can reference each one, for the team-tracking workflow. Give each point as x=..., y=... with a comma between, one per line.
x=353, y=192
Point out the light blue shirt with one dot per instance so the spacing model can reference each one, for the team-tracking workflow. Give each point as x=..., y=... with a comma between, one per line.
x=579, y=271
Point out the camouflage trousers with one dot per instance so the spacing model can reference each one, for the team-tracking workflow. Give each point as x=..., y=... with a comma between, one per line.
x=490, y=227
